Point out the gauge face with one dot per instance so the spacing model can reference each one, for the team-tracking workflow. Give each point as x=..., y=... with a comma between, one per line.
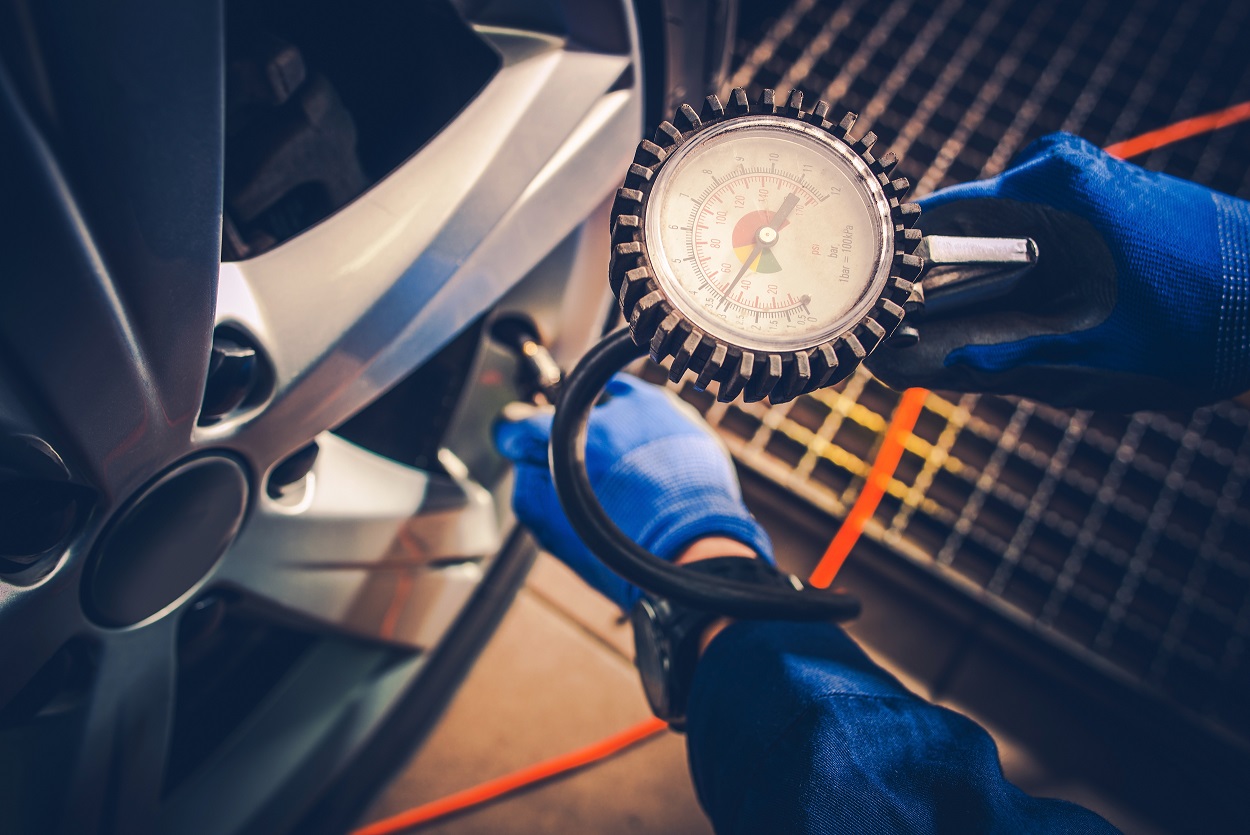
x=769, y=234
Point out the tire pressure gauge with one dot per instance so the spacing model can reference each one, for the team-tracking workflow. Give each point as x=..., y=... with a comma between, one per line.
x=766, y=251
x=761, y=247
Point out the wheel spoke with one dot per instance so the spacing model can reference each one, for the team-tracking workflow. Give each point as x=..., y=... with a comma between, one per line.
x=354, y=304
x=111, y=226
x=36, y=623
x=374, y=549
x=116, y=783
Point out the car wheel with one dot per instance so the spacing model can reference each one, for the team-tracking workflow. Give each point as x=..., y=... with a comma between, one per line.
x=251, y=529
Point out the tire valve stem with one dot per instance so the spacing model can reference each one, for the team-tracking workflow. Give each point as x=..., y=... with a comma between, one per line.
x=539, y=375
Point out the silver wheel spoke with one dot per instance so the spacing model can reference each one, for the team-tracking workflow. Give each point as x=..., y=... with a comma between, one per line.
x=325, y=710
x=36, y=623
x=351, y=306
x=367, y=547
x=107, y=307
x=116, y=784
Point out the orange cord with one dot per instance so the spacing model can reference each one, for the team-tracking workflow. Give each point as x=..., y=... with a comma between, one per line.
x=906, y=413
x=902, y=422
x=520, y=779
x=1180, y=130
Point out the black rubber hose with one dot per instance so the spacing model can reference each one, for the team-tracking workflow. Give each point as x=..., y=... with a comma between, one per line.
x=624, y=556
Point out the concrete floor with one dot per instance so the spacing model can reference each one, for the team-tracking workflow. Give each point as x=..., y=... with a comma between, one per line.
x=557, y=676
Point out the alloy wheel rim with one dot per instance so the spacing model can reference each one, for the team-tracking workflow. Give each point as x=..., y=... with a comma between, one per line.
x=124, y=266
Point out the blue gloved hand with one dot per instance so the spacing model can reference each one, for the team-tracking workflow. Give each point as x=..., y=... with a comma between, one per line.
x=1141, y=296
x=657, y=469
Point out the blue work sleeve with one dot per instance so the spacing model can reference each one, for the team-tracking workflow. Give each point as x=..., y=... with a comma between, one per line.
x=792, y=728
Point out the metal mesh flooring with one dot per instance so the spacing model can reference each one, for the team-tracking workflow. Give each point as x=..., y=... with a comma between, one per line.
x=1123, y=539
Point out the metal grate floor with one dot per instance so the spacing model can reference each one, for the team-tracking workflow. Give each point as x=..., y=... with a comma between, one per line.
x=1123, y=539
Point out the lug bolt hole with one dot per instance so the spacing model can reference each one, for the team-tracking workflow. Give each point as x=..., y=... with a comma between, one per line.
x=38, y=516
x=291, y=470
x=239, y=376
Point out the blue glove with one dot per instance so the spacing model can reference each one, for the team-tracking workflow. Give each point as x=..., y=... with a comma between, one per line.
x=1141, y=296
x=655, y=466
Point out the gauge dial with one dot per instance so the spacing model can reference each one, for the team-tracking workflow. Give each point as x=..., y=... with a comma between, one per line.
x=770, y=233
x=761, y=247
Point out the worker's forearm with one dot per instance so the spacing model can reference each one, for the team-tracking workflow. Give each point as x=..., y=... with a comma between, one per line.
x=706, y=549
x=792, y=728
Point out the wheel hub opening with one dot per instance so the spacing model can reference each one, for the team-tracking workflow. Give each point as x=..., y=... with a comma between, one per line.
x=166, y=541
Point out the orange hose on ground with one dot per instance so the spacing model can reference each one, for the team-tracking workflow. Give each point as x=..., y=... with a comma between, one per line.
x=902, y=422
x=906, y=413
x=509, y=783
x=1180, y=130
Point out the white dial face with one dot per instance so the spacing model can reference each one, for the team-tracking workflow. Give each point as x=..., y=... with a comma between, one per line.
x=769, y=234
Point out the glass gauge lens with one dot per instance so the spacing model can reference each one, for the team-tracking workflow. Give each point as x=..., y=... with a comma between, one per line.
x=769, y=234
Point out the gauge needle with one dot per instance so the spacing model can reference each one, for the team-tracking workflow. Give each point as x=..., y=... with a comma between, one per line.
x=787, y=206
x=783, y=212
